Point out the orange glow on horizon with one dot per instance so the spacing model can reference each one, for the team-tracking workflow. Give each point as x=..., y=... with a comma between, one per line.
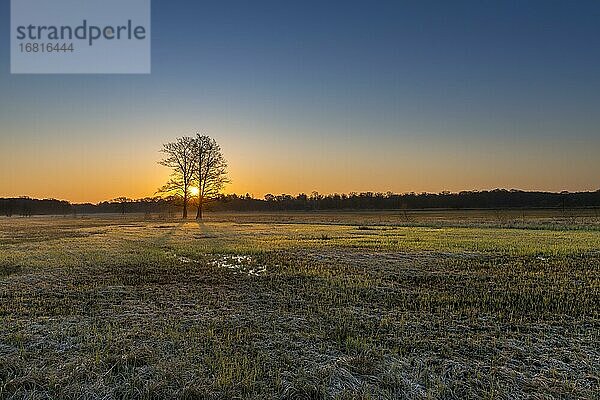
x=96, y=171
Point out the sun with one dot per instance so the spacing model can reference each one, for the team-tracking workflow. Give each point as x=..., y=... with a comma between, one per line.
x=194, y=191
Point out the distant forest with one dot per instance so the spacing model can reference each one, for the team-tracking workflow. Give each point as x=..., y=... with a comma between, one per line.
x=494, y=199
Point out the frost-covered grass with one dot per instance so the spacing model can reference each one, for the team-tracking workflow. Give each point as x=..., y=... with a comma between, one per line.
x=276, y=306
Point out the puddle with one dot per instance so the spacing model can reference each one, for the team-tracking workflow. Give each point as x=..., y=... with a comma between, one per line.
x=239, y=264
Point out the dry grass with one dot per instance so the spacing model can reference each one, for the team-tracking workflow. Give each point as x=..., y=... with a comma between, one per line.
x=256, y=307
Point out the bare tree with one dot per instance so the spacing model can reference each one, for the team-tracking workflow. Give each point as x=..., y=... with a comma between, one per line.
x=210, y=174
x=180, y=156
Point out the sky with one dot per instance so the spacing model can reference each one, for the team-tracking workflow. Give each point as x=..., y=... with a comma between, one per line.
x=327, y=96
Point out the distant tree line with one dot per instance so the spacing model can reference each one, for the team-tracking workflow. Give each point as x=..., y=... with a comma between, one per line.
x=169, y=206
x=125, y=205
x=494, y=199
x=26, y=207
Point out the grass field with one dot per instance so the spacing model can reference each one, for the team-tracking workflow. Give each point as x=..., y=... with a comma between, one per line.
x=497, y=305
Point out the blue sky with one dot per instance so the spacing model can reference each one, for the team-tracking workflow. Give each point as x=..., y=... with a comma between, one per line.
x=330, y=96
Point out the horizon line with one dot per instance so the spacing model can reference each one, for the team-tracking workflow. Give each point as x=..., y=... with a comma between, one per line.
x=262, y=198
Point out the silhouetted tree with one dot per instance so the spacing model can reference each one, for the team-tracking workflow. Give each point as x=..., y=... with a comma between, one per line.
x=180, y=156
x=210, y=174
x=122, y=201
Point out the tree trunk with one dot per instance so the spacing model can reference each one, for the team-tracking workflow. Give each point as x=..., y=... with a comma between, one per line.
x=199, y=213
x=185, y=201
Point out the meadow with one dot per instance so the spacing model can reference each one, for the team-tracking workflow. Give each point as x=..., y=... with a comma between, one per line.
x=311, y=305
